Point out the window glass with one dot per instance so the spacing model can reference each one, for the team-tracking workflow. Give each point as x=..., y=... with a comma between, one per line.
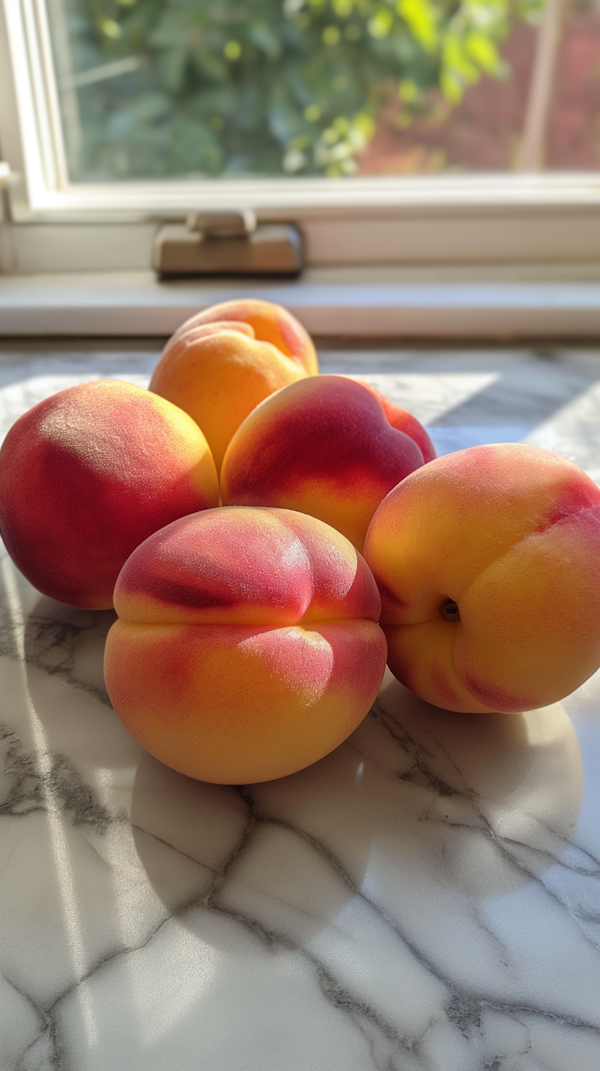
x=206, y=88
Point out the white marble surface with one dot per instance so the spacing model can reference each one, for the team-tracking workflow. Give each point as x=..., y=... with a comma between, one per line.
x=426, y=898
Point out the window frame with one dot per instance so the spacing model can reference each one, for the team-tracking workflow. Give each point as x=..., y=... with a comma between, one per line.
x=473, y=219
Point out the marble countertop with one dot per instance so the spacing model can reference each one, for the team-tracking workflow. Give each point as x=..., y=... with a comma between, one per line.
x=426, y=898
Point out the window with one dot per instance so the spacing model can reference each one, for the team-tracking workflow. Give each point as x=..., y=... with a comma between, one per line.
x=65, y=181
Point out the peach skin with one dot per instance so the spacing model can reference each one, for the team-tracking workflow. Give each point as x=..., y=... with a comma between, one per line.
x=488, y=564
x=323, y=446
x=225, y=360
x=89, y=473
x=247, y=644
x=404, y=421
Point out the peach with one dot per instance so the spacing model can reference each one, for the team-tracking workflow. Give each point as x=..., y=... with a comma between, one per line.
x=488, y=564
x=323, y=446
x=404, y=421
x=89, y=473
x=247, y=644
x=225, y=360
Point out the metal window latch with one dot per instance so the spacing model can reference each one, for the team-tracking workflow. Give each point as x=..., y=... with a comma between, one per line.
x=227, y=243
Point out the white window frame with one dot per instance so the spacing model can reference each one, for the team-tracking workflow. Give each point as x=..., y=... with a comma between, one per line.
x=517, y=223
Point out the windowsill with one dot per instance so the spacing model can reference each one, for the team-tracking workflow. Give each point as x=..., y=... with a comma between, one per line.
x=477, y=302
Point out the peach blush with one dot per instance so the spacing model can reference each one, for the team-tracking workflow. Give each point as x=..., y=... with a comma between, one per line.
x=87, y=475
x=322, y=446
x=488, y=563
x=247, y=644
x=402, y=420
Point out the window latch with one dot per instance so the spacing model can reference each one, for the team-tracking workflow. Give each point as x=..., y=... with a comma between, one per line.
x=227, y=243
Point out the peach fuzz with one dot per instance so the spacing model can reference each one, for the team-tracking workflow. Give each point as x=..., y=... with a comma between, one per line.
x=404, y=421
x=323, y=446
x=247, y=644
x=87, y=475
x=225, y=360
x=488, y=563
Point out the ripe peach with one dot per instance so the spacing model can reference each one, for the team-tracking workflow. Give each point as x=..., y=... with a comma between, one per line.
x=89, y=473
x=225, y=360
x=488, y=563
x=404, y=421
x=323, y=446
x=247, y=645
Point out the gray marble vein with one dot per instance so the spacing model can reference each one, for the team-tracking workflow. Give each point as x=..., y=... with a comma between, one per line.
x=425, y=898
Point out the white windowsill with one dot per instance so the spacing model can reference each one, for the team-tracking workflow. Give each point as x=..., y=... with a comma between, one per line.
x=492, y=303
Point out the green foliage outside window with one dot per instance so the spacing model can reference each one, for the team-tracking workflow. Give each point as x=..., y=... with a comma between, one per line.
x=268, y=87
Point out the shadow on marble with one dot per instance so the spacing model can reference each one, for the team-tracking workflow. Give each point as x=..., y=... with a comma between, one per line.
x=482, y=806
x=517, y=778
x=289, y=865
x=68, y=642
x=525, y=393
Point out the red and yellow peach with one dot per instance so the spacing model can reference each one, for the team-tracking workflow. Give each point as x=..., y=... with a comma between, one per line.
x=89, y=473
x=225, y=360
x=404, y=421
x=324, y=446
x=488, y=564
x=247, y=644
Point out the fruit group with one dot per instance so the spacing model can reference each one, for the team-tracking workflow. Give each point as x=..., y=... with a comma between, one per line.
x=225, y=360
x=247, y=645
x=89, y=473
x=488, y=563
x=323, y=446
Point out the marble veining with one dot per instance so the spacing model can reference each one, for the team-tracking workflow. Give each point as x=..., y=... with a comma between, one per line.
x=425, y=898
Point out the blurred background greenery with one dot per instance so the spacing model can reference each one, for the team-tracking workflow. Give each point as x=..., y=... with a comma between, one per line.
x=164, y=88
